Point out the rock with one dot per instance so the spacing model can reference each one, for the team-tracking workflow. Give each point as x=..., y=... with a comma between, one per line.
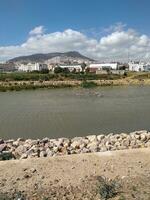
x=27, y=175
x=49, y=152
x=1, y=141
x=77, y=139
x=123, y=135
x=43, y=154
x=92, y=138
x=143, y=137
x=75, y=144
x=33, y=170
x=102, y=148
x=147, y=144
x=16, y=143
x=21, y=140
x=58, y=143
x=9, y=141
x=45, y=140
x=30, y=152
x=126, y=143
x=2, y=147
x=24, y=156
x=21, y=149
x=56, y=149
x=29, y=148
x=100, y=137
x=93, y=147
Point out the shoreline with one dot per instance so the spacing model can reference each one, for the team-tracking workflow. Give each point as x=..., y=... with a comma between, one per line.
x=46, y=147
x=31, y=85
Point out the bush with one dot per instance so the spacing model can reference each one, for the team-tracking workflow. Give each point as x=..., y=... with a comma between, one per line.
x=108, y=189
x=58, y=70
x=86, y=84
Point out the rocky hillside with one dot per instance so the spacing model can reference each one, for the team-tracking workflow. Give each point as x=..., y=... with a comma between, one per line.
x=55, y=57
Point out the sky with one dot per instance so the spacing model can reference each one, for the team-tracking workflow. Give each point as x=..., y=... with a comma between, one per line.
x=101, y=29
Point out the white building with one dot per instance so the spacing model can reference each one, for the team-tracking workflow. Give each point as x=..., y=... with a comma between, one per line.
x=136, y=66
x=104, y=66
x=71, y=67
x=32, y=67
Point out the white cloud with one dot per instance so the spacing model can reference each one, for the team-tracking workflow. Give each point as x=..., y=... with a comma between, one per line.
x=115, y=45
x=119, y=26
x=37, y=30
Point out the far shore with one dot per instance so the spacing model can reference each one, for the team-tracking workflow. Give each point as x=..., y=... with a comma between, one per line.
x=24, y=85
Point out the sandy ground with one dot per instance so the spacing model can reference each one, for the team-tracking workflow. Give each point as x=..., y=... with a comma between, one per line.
x=117, y=175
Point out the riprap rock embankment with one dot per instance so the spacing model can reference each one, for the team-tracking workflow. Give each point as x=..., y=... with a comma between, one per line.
x=22, y=149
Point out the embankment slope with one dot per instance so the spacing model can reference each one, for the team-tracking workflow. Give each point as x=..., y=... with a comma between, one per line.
x=79, y=176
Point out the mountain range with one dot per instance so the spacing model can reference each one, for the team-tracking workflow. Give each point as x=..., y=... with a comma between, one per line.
x=71, y=56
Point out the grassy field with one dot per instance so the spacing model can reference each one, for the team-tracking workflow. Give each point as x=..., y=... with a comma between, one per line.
x=23, y=81
x=46, y=77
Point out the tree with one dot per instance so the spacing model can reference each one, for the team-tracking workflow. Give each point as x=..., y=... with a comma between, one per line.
x=58, y=70
x=83, y=66
x=66, y=70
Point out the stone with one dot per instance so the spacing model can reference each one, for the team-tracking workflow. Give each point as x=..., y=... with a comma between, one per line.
x=123, y=135
x=33, y=170
x=16, y=143
x=21, y=140
x=2, y=147
x=43, y=154
x=100, y=137
x=143, y=137
x=45, y=140
x=30, y=152
x=75, y=144
x=93, y=146
x=91, y=138
x=126, y=143
x=1, y=141
x=24, y=156
x=58, y=143
x=9, y=141
x=103, y=149
x=21, y=149
x=49, y=152
x=147, y=144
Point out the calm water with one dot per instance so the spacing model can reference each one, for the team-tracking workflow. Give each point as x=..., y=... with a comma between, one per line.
x=74, y=112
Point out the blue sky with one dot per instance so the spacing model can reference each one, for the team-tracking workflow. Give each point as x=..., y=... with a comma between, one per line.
x=93, y=18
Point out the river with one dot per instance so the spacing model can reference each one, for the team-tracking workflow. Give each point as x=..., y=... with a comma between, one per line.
x=74, y=112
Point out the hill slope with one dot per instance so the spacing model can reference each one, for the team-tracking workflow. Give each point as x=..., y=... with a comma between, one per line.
x=49, y=56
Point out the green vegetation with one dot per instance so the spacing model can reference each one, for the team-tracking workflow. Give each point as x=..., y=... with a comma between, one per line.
x=141, y=76
x=90, y=84
x=30, y=86
x=59, y=75
x=108, y=188
x=34, y=80
x=6, y=156
x=16, y=76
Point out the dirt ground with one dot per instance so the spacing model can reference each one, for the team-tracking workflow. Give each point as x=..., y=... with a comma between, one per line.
x=118, y=175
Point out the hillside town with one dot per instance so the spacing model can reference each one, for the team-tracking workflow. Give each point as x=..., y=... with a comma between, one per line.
x=73, y=65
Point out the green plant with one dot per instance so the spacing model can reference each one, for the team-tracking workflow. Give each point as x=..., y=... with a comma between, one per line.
x=108, y=188
x=86, y=84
